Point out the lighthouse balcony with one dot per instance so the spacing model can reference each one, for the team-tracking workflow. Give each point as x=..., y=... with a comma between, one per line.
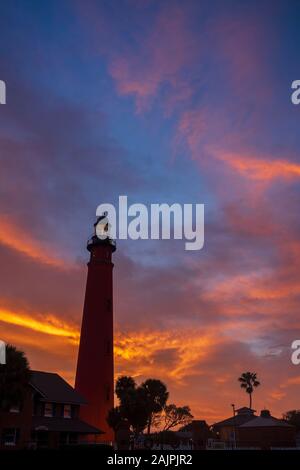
x=94, y=240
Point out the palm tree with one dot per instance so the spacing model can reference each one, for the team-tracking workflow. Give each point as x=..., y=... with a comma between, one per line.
x=156, y=396
x=248, y=381
x=124, y=385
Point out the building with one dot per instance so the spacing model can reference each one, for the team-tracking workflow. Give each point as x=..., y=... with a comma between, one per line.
x=197, y=432
x=247, y=430
x=226, y=429
x=266, y=432
x=95, y=366
x=48, y=417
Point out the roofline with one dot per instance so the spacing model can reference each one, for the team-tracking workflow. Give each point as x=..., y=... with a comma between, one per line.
x=245, y=408
x=49, y=421
x=277, y=423
x=231, y=422
x=37, y=389
x=45, y=399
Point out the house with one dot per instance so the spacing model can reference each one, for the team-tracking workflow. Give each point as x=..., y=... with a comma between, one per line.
x=48, y=417
x=247, y=430
x=226, y=430
x=265, y=431
x=197, y=432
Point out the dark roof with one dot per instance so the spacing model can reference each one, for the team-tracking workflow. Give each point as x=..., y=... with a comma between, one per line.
x=63, y=425
x=259, y=422
x=238, y=420
x=54, y=388
x=243, y=415
x=196, y=424
x=245, y=409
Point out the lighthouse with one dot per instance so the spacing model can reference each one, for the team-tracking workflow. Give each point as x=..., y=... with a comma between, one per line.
x=95, y=365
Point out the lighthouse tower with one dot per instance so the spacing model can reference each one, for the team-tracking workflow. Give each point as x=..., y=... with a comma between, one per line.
x=95, y=365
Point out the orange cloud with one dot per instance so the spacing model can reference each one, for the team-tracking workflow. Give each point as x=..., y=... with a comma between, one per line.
x=170, y=353
x=277, y=395
x=184, y=359
x=49, y=324
x=251, y=286
x=17, y=238
x=140, y=350
x=292, y=381
x=260, y=168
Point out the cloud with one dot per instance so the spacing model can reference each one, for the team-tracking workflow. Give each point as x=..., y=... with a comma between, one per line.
x=151, y=350
x=261, y=169
x=29, y=284
x=61, y=170
x=48, y=324
x=15, y=237
x=158, y=58
x=195, y=321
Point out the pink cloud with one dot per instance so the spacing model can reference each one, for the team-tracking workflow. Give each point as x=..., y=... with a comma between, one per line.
x=261, y=168
x=158, y=58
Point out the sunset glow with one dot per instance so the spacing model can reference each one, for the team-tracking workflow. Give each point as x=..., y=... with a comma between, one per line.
x=165, y=102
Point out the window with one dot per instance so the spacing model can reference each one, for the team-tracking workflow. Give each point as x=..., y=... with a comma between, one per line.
x=73, y=438
x=67, y=411
x=38, y=408
x=67, y=438
x=48, y=410
x=40, y=439
x=108, y=305
x=63, y=438
x=15, y=408
x=10, y=436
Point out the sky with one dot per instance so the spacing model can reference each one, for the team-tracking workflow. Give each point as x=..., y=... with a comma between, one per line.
x=162, y=101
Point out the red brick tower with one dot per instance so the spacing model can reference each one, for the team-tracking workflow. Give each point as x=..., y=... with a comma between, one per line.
x=95, y=365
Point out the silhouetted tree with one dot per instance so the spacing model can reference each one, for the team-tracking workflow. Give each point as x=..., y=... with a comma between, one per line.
x=248, y=381
x=14, y=377
x=115, y=418
x=132, y=407
x=138, y=405
x=124, y=384
x=135, y=409
x=293, y=417
x=167, y=438
x=156, y=395
x=175, y=415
